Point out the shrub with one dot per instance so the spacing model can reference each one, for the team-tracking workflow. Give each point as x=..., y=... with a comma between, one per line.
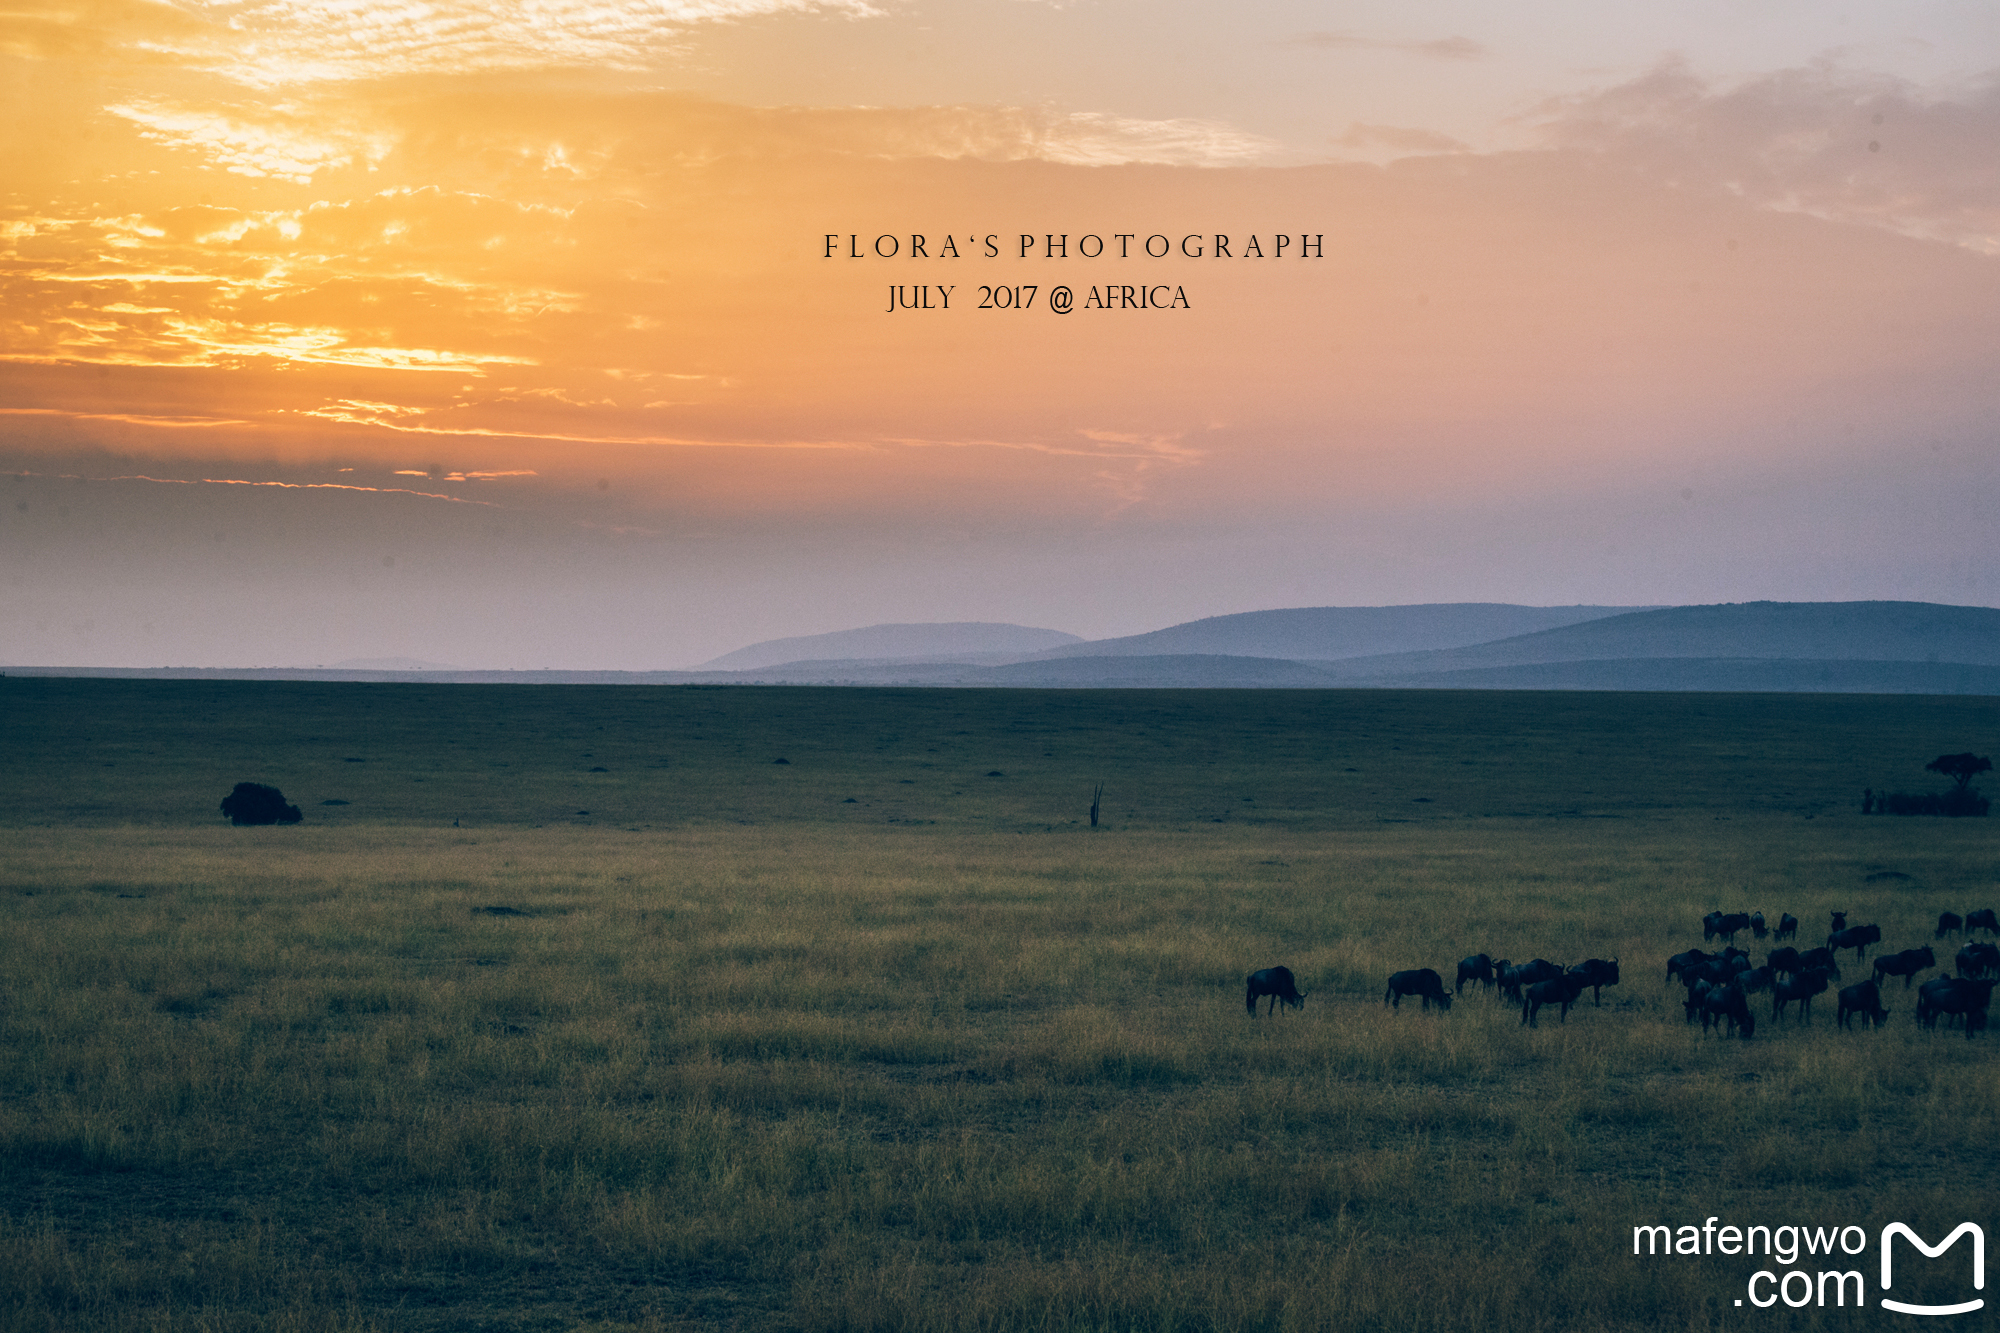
x=255, y=803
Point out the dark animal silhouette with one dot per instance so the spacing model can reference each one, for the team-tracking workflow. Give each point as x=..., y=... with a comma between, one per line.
x=1954, y=998
x=1596, y=974
x=1863, y=998
x=1819, y=960
x=1949, y=923
x=1527, y=974
x=1725, y=925
x=1983, y=919
x=1784, y=960
x=1757, y=928
x=1727, y=1005
x=1277, y=983
x=1476, y=968
x=1419, y=981
x=1563, y=990
x=1749, y=983
x=1801, y=988
x=1681, y=963
x=1905, y=964
x=1788, y=928
x=1978, y=960
x=1857, y=938
x=1839, y=923
x=255, y=803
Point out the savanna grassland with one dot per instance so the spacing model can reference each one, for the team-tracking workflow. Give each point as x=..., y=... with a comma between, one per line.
x=574, y=1008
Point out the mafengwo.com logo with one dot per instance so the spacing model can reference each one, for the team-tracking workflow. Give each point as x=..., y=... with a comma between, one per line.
x=1821, y=1280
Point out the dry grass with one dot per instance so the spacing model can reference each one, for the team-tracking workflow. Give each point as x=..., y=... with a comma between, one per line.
x=814, y=1074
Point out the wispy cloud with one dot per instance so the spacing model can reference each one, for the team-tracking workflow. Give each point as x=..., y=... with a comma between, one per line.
x=1439, y=48
x=281, y=43
x=1839, y=144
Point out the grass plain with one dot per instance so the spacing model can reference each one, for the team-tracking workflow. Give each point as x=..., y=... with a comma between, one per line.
x=580, y=1010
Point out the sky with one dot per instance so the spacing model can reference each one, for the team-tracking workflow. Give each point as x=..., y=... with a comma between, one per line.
x=618, y=334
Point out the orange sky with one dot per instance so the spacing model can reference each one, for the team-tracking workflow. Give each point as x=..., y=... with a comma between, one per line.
x=539, y=299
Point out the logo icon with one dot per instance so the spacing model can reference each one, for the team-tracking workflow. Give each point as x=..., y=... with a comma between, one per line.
x=1895, y=1229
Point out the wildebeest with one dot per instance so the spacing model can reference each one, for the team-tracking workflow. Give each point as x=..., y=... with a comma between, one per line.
x=1802, y=988
x=1419, y=981
x=1983, y=919
x=1952, y=996
x=1839, y=923
x=1277, y=983
x=1596, y=974
x=1949, y=923
x=1784, y=960
x=1562, y=990
x=1905, y=964
x=1723, y=924
x=1754, y=980
x=1476, y=968
x=1527, y=974
x=1977, y=960
x=1857, y=938
x=1819, y=960
x=1757, y=930
x=1726, y=1004
x=1788, y=928
x=1681, y=963
x=1863, y=998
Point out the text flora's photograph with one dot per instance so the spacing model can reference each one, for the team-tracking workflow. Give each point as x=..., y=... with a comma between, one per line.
x=882, y=665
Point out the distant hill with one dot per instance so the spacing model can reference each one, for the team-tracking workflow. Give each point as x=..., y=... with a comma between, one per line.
x=1917, y=632
x=1323, y=632
x=963, y=640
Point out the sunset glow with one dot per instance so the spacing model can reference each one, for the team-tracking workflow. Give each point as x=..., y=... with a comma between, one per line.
x=1714, y=319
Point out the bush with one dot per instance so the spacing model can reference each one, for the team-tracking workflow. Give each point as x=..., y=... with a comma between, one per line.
x=1958, y=801
x=255, y=803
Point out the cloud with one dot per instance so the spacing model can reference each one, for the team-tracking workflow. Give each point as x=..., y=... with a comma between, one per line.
x=1843, y=145
x=1397, y=139
x=258, y=141
x=1442, y=48
x=289, y=43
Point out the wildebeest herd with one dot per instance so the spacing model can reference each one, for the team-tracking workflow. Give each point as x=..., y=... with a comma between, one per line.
x=1719, y=985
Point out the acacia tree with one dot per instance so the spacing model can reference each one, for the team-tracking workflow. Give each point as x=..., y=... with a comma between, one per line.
x=1960, y=768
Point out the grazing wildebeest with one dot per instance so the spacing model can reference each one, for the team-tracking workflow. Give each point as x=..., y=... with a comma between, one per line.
x=1757, y=930
x=1419, y=981
x=1802, y=988
x=1476, y=968
x=1680, y=963
x=1839, y=923
x=1726, y=1004
x=1863, y=998
x=1596, y=974
x=1983, y=919
x=1277, y=983
x=1905, y=964
x=1857, y=938
x=1819, y=960
x=1562, y=990
x=1954, y=997
x=1978, y=960
x=1788, y=928
x=1784, y=960
x=1949, y=923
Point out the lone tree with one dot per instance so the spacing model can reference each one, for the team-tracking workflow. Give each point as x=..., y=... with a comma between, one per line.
x=1960, y=768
